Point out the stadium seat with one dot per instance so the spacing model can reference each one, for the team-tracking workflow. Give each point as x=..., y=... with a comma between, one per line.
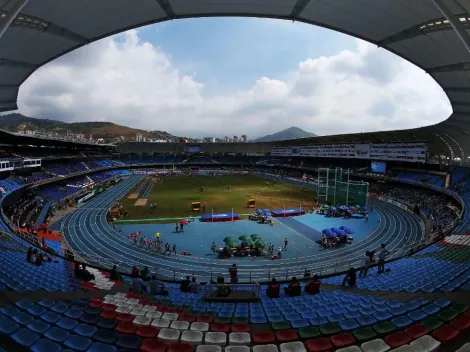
x=320, y=344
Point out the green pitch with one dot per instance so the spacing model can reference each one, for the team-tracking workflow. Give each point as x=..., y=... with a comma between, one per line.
x=174, y=196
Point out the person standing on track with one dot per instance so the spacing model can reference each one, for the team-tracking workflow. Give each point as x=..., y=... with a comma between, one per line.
x=286, y=242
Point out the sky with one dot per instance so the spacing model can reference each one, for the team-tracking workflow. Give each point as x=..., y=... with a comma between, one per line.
x=232, y=76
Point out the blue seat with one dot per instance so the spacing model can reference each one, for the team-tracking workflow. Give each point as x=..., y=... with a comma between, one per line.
x=57, y=334
x=335, y=318
x=106, y=336
x=352, y=315
x=129, y=341
x=442, y=302
x=7, y=326
x=410, y=306
x=257, y=314
x=309, y=315
x=293, y=316
x=258, y=320
x=79, y=306
x=366, y=320
x=92, y=310
x=299, y=323
x=43, y=345
x=22, y=318
x=73, y=313
x=106, y=323
x=339, y=310
x=318, y=321
x=8, y=311
x=226, y=314
x=51, y=317
x=402, y=322
x=46, y=303
x=353, y=307
x=85, y=330
x=431, y=309
x=38, y=326
x=275, y=318
x=59, y=308
x=25, y=337
x=417, y=315
x=367, y=311
x=397, y=311
x=24, y=304
x=89, y=318
x=394, y=304
x=324, y=312
x=101, y=347
x=381, y=307
x=67, y=323
x=381, y=316
x=78, y=343
x=243, y=314
x=36, y=310
x=348, y=325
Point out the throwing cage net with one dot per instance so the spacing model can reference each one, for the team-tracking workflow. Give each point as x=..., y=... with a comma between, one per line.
x=335, y=188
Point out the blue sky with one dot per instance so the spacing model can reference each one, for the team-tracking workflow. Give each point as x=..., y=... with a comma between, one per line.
x=226, y=76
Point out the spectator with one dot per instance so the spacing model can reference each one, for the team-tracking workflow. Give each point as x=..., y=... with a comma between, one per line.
x=114, y=275
x=32, y=258
x=274, y=289
x=294, y=288
x=144, y=273
x=29, y=254
x=194, y=286
x=135, y=272
x=382, y=255
x=137, y=285
x=157, y=287
x=233, y=274
x=220, y=279
x=184, y=287
x=350, y=278
x=313, y=287
x=365, y=265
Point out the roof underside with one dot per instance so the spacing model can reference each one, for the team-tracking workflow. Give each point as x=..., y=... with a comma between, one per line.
x=412, y=29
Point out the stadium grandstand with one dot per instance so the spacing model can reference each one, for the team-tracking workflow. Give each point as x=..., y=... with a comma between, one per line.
x=77, y=275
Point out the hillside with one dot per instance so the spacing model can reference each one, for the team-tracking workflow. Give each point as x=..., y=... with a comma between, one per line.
x=287, y=134
x=107, y=130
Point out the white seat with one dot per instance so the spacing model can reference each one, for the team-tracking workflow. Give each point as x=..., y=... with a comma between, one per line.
x=169, y=335
x=111, y=297
x=137, y=312
x=120, y=294
x=142, y=320
x=296, y=346
x=109, y=301
x=464, y=348
x=215, y=338
x=170, y=316
x=209, y=348
x=121, y=304
x=265, y=348
x=349, y=349
x=239, y=338
x=160, y=323
x=153, y=315
x=237, y=349
x=133, y=301
x=135, y=306
x=122, y=310
x=121, y=299
x=179, y=325
x=198, y=326
x=377, y=345
x=192, y=337
x=425, y=344
x=149, y=308
x=404, y=348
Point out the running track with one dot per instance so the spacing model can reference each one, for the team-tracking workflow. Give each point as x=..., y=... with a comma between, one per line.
x=88, y=232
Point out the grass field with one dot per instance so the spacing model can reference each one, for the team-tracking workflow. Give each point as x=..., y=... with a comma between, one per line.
x=174, y=196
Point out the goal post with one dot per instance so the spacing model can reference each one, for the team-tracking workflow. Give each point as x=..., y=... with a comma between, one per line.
x=336, y=188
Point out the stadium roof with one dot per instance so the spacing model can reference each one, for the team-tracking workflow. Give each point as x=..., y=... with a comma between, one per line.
x=416, y=30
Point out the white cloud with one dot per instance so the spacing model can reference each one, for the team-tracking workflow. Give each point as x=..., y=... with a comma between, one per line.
x=134, y=83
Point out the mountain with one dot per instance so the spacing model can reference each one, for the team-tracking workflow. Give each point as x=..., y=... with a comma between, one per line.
x=109, y=131
x=289, y=133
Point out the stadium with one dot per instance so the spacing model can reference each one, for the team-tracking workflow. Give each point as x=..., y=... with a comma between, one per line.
x=353, y=242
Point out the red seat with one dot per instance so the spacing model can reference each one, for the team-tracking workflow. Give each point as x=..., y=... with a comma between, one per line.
x=217, y=327
x=286, y=335
x=445, y=333
x=151, y=345
x=261, y=337
x=187, y=318
x=108, y=307
x=397, y=339
x=144, y=302
x=462, y=322
x=108, y=314
x=416, y=331
x=97, y=299
x=126, y=327
x=343, y=340
x=240, y=328
x=130, y=295
x=321, y=344
x=95, y=304
x=180, y=347
x=147, y=332
x=205, y=319
x=124, y=317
